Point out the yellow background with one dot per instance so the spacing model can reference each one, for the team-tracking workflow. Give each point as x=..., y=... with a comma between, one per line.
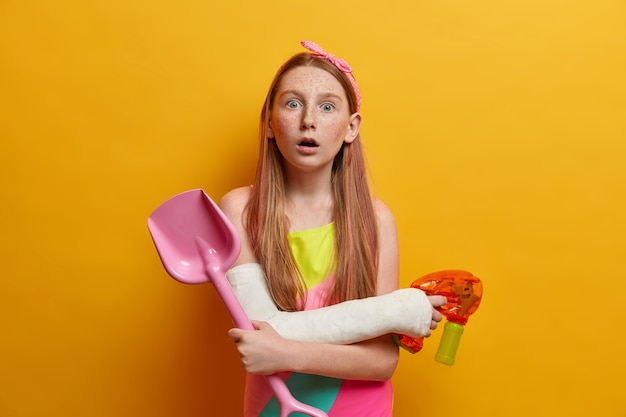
x=494, y=131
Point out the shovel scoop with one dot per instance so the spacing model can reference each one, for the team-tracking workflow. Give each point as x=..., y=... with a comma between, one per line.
x=197, y=244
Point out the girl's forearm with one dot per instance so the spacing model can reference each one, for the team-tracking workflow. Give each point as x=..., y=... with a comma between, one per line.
x=374, y=360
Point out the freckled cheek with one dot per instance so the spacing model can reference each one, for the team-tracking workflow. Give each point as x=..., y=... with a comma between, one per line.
x=281, y=129
x=337, y=130
x=284, y=123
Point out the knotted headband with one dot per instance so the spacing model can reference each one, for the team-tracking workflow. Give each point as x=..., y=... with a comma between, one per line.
x=339, y=63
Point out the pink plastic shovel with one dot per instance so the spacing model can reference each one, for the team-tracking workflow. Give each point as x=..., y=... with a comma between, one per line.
x=197, y=244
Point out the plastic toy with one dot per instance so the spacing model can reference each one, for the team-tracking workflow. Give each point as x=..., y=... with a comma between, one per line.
x=198, y=244
x=463, y=292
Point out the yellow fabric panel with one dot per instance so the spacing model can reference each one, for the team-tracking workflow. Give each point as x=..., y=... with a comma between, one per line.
x=314, y=252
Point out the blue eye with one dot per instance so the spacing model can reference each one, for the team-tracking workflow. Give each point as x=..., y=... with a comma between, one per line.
x=293, y=104
x=327, y=107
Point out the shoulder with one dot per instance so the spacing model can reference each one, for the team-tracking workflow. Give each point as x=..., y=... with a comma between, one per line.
x=234, y=201
x=233, y=204
x=384, y=216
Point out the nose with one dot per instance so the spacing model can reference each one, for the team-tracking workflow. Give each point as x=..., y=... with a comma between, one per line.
x=308, y=118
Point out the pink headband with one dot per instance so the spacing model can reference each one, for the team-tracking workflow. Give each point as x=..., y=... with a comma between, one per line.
x=339, y=63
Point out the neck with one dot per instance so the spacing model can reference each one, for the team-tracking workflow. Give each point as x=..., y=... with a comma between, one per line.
x=308, y=201
x=313, y=183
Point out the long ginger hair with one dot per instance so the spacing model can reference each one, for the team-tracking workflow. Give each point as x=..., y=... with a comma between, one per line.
x=356, y=238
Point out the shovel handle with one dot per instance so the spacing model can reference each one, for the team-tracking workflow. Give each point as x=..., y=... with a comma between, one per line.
x=217, y=276
x=288, y=404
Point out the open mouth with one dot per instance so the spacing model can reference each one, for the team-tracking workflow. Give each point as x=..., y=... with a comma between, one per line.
x=309, y=143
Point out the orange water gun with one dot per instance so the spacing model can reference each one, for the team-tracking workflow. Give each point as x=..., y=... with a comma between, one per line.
x=463, y=292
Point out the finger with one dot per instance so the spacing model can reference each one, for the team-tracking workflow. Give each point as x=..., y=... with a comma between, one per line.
x=437, y=316
x=437, y=300
x=262, y=325
x=235, y=334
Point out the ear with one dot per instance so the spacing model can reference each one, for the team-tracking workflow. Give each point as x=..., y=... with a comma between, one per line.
x=269, y=132
x=353, y=128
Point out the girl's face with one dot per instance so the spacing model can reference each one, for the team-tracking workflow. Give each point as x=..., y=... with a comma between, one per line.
x=310, y=118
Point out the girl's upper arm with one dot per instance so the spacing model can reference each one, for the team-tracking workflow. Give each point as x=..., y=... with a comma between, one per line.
x=389, y=253
x=233, y=204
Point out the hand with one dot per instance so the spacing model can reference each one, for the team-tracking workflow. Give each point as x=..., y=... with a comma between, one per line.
x=436, y=301
x=263, y=351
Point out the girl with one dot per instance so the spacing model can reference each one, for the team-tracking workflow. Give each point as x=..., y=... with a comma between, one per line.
x=319, y=238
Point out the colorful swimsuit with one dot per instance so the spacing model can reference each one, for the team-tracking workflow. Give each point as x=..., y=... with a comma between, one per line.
x=313, y=250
